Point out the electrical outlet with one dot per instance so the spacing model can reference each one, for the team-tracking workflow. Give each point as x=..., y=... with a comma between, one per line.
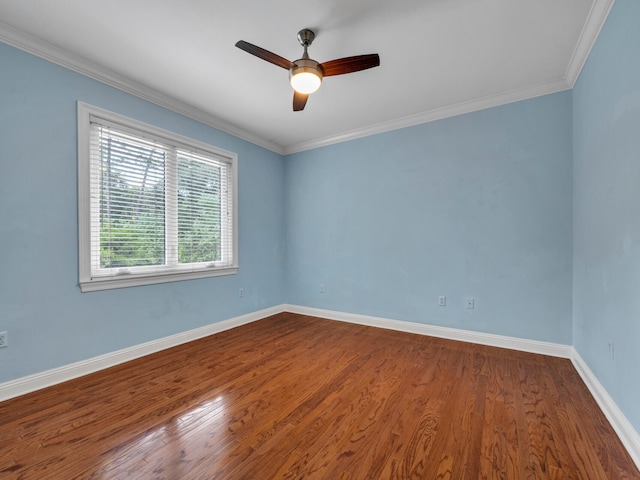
x=471, y=303
x=611, y=350
x=322, y=288
x=241, y=293
x=442, y=301
x=4, y=339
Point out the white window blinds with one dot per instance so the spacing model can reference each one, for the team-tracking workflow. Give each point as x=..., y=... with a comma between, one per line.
x=157, y=206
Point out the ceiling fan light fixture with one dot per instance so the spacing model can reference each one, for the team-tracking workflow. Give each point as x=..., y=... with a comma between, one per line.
x=306, y=76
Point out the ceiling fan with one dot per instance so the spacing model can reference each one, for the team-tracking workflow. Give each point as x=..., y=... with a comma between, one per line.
x=305, y=74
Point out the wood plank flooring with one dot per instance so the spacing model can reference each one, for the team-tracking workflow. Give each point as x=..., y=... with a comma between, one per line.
x=295, y=397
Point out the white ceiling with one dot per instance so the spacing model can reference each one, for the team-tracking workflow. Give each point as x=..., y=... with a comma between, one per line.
x=437, y=57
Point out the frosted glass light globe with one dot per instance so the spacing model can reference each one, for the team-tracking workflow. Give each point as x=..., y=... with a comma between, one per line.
x=305, y=82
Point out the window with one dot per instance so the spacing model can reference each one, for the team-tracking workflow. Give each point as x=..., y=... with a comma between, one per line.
x=153, y=206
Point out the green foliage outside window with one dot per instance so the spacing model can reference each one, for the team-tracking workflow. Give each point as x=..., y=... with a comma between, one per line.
x=132, y=207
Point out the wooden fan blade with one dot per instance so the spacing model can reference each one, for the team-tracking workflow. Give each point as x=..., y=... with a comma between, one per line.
x=265, y=54
x=299, y=101
x=350, y=64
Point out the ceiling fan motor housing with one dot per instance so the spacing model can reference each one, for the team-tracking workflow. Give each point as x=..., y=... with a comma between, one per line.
x=306, y=65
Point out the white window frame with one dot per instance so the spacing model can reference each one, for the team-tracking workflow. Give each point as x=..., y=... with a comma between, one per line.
x=142, y=276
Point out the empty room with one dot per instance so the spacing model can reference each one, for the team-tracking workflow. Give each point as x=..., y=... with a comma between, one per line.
x=320, y=240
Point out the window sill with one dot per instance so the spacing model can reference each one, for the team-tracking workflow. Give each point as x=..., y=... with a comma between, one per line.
x=108, y=283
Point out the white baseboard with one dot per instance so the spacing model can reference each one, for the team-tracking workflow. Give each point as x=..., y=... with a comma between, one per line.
x=532, y=346
x=628, y=435
x=31, y=383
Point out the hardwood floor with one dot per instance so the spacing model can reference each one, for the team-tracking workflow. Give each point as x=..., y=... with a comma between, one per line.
x=293, y=397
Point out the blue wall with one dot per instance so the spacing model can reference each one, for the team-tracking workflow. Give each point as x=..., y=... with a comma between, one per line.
x=477, y=205
x=50, y=323
x=527, y=207
x=607, y=208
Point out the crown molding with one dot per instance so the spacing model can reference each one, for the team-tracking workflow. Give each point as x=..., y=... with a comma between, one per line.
x=595, y=21
x=436, y=114
x=47, y=51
